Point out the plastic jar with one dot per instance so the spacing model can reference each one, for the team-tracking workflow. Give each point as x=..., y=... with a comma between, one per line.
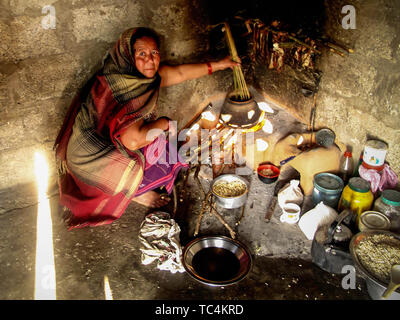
x=389, y=204
x=357, y=197
x=327, y=188
x=374, y=154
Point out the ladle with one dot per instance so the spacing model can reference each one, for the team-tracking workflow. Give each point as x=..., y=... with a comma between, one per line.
x=394, y=281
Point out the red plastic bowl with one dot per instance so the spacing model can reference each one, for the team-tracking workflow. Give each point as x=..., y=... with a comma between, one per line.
x=271, y=178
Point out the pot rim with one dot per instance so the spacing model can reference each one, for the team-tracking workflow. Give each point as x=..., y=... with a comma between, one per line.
x=232, y=94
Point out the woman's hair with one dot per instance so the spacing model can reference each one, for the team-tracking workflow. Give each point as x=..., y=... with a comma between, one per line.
x=145, y=32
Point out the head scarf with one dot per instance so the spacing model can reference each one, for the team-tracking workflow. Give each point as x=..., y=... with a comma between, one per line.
x=118, y=93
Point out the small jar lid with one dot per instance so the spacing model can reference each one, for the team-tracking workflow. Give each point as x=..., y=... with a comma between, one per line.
x=391, y=197
x=359, y=185
x=377, y=144
x=374, y=220
x=328, y=182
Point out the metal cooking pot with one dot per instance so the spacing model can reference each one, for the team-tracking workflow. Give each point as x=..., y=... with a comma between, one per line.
x=375, y=287
x=240, y=114
x=230, y=202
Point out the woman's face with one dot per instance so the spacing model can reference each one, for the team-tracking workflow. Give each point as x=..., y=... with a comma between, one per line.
x=147, y=56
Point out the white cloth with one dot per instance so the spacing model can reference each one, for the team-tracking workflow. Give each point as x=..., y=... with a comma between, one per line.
x=290, y=193
x=315, y=218
x=159, y=237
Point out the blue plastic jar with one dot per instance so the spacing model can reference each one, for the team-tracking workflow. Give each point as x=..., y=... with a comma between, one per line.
x=328, y=189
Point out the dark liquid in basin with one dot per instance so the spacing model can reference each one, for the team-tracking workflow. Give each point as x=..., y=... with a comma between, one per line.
x=216, y=264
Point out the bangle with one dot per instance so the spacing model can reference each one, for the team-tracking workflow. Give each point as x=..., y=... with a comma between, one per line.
x=210, y=71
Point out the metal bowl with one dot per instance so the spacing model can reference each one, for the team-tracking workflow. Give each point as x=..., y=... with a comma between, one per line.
x=216, y=260
x=230, y=202
x=375, y=286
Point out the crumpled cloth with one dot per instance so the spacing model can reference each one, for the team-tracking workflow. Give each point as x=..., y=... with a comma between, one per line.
x=385, y=179
x=159, y=237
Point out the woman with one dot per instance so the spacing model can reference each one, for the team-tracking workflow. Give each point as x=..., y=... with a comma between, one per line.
x=102, y=146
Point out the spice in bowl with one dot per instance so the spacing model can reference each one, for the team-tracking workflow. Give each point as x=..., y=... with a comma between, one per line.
x=229, y=189
x=267, y=172
x=377, y=253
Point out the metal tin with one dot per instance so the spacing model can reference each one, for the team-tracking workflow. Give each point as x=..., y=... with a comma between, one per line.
x=327, y=188
x=230, y=202
x=375, y=153
x=371, y=220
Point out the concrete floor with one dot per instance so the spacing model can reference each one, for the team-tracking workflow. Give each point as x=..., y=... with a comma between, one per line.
x=83, y=257
x=282, y=267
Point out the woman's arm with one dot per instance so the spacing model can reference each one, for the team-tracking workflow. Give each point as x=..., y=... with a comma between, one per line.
x=135, y=136
x=171, y=75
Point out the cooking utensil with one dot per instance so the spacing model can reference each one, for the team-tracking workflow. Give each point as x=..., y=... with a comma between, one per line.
x=230, y=202
x=394, y=281
x=323, y=137
x=329, y=249
x=274, y=200
x=216, y=260
x=375, y=287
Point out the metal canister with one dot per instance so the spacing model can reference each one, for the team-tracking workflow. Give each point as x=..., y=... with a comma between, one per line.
x=357, y=197
x=327, y=188
x=375, y=153
x=372, y=220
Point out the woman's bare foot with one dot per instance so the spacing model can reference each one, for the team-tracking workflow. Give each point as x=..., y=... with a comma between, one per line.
x=152, y=199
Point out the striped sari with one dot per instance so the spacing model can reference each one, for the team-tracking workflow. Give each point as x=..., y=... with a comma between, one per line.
x=98, y=176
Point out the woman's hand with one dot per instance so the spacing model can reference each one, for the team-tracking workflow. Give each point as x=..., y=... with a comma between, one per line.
x=224, y=63
x=171, y=75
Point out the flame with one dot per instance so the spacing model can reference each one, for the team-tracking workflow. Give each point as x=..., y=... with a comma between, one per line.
x=250, y=114
x=258, y=126
x=208, y=115
x=45, y=279
x=265, y=107
x=268, y=127
x=300, y=141
x=232, y=140
x=195, y=127
x=261, y=145
x=226, y=117
x=107, y=289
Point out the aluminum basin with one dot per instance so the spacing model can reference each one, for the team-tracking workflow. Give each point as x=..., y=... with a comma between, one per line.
x=216, y=260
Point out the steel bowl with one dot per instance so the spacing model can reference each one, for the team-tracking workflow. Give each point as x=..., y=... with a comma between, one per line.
x=230, y=202
x=375, y=286
x=216, y=260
